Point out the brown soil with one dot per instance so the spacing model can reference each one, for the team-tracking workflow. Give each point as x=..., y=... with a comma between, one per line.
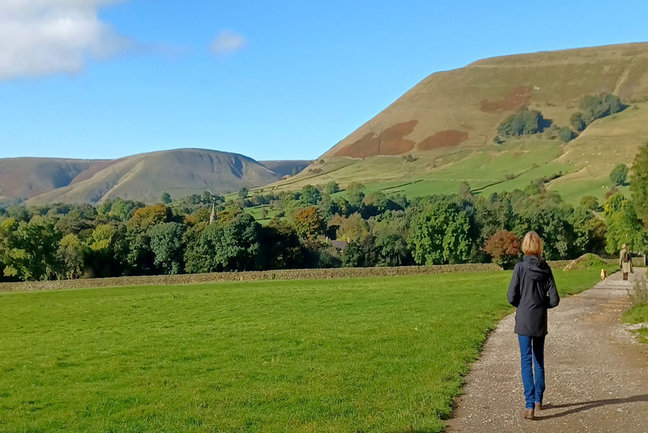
x=447, y=138
x=517, y=97
x=390, y=142
x=596, y=371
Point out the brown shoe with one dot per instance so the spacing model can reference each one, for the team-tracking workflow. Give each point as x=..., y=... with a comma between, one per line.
x=538, y=407
x=528, y=414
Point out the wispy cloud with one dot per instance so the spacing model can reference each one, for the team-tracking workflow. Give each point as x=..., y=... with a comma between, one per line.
x=44, y=37
x=228, y=42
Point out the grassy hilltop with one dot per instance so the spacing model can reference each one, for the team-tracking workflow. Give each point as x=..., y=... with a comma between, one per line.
x=441, y=132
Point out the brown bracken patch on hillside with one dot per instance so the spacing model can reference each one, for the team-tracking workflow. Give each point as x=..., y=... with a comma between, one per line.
x=517, y=97
x=390, y=142
x=366, y=146
x=447, y=138
x=398, y=131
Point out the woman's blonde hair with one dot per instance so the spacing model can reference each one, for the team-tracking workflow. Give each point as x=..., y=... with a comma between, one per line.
x=532, y=244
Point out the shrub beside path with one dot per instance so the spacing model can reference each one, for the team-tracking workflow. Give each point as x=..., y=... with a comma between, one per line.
x=597, y=373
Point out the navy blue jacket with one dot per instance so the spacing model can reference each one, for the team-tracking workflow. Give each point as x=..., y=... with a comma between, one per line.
x=532, y=291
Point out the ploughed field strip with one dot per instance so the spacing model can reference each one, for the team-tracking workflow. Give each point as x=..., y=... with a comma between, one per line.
x=596, y=371
x=365, y=354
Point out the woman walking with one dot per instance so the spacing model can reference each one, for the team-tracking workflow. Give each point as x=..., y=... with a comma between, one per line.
x=532, y=291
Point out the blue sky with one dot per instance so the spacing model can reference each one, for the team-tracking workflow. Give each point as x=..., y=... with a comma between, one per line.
x=271, y=80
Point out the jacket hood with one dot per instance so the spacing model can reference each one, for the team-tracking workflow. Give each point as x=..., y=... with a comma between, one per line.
x=538, y=269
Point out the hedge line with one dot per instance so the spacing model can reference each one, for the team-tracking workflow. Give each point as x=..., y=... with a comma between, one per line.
x=283, y=274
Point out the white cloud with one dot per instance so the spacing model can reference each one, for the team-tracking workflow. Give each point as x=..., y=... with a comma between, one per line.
x=228, y=42
x=43, y=37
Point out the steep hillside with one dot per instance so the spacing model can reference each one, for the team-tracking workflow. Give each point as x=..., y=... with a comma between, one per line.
x=22, y=178
x=146, y=176
x=452, y=116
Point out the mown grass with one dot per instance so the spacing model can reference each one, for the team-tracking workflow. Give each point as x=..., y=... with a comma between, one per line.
x=354, y=355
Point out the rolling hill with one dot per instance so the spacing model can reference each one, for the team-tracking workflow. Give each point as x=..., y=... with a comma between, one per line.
x=441, y=132
x=142, y=177
x=146, y=176
x=22, y=178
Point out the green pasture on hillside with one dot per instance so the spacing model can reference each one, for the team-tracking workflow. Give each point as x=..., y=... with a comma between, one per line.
x=349, y=355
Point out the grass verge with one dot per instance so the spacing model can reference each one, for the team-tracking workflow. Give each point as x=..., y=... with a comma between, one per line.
x=362, y=355
x=638, y=313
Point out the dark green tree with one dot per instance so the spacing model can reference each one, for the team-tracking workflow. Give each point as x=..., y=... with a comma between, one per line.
x=623, y=225
x=577, y=122
x=359, y=254
x=440, y=234
x=390, y=242
x=590, y=232
x=565, y=134
x=165, y=198
x=597, y=106
x=590, y=202
x=310, y=196
x=639, y=183
x=619, y=174
x=167, y=244
x=280, y=245
x=332, y=187
x=31, y=250
x=240, y=247
x=355, y=194
x=523, y=122
x=71, y=255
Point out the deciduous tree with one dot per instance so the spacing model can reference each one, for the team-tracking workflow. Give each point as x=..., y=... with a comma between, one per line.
x=503, y=247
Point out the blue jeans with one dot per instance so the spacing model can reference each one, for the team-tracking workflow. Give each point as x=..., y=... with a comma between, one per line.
x=533, y=375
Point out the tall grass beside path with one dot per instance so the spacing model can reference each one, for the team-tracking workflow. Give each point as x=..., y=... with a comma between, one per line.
x=638, y=313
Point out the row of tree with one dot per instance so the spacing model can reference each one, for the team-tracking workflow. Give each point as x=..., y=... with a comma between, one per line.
x=315, y=227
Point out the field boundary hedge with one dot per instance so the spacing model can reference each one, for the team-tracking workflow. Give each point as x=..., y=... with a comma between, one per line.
x=280, y=274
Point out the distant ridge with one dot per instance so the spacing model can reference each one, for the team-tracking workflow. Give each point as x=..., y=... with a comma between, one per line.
x=22, y=178
x=143, y=177
x=146, y=176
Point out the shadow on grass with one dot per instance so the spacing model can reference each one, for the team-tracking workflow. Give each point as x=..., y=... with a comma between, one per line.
x=586, y=405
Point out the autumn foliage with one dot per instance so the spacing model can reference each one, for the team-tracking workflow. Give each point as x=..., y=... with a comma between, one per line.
x=503, y=247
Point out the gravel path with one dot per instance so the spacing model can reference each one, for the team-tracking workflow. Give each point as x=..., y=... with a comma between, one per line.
x=596, y=372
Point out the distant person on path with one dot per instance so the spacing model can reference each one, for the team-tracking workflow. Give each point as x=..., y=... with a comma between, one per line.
x=625, y=261
x=532, y=291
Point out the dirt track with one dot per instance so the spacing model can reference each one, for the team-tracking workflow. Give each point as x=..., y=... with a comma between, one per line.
x=596, y=372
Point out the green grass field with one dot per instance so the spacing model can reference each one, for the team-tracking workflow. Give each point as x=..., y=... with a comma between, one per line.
x=353, y=355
